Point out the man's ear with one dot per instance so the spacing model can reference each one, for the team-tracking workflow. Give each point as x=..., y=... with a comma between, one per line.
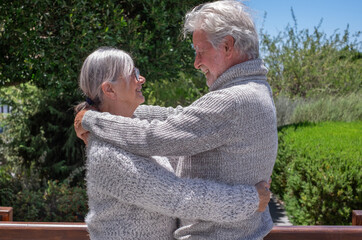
x=108, y=90
x=229, y=42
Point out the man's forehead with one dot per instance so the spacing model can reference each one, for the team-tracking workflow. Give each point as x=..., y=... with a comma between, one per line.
x=199, y=38
x=201, y=46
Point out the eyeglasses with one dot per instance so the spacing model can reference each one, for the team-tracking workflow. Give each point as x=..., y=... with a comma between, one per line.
x=137, y=74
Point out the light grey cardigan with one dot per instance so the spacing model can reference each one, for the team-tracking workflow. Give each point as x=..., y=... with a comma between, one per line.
x=229, y=134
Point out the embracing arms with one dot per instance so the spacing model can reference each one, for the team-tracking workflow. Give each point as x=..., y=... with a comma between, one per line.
x=206, y=124
x=141, y=181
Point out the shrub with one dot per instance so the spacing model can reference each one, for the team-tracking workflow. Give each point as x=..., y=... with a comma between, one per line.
x=58, y=202
x=344, y=108
x=34, y=199
x=285, y=108
x=325, y=108
x=318, y=172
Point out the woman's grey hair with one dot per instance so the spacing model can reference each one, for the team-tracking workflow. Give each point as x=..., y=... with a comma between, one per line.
x=105, y=64
x=222, y=18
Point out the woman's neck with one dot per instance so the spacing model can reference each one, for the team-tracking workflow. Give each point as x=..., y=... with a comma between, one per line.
x=119, y=109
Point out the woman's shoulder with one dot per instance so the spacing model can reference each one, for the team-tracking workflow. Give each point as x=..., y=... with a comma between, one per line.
x=101, y=153
x=99, y=148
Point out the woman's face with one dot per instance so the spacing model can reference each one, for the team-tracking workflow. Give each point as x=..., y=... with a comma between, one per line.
x=130, y=94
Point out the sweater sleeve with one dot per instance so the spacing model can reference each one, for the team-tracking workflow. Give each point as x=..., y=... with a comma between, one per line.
x=141, y=181
x=208, y=123
x=149, y=113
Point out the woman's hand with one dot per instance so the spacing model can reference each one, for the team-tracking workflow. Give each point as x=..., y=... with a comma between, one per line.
x=264, y=194
x=79, y=130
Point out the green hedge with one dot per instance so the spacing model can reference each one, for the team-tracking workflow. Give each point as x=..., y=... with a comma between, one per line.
x=318, y=172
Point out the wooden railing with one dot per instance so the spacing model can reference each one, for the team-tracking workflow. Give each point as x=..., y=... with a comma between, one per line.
x=43, y=231
x=6, y=214
x=78, y=231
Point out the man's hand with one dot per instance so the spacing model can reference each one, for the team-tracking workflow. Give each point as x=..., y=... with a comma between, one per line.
x=264, y=194
x=80, y=131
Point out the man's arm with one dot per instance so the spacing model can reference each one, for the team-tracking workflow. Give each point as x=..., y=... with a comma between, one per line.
x=141, y=181
x=208, y=123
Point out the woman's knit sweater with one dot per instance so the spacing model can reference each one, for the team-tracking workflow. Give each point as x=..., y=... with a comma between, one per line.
x=229, y=135
x=132, y=197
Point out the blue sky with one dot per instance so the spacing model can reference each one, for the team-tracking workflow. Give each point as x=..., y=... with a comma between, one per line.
x=335, y=14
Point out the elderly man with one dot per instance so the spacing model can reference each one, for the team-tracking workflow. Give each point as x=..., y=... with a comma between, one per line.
x=228, y=135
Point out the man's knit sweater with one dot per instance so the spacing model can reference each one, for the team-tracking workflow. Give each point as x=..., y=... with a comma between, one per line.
x=229, y=135
x=132, y=197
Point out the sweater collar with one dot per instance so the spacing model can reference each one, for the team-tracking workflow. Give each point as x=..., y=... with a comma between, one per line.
x=253, y=67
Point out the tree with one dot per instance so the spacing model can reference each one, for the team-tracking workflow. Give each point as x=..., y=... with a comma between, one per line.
x=43, y=44
x=304, y=64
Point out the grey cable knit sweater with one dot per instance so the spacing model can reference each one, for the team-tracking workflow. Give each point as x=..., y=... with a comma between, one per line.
x=131, y=197
x=229, y=135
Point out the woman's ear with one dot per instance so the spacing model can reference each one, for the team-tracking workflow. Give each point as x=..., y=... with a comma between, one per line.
x=108, y=90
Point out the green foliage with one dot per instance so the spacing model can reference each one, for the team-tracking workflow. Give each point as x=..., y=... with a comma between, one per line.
x=32, y=135
x=347, y=108
x=318, y=172
x=304, y=64
x=326, y=108
x=44, y=44
x=46, y=41
x=34, y=199
x=56, y=203
x=182, y=92
x=8, y=186
x=285, y=108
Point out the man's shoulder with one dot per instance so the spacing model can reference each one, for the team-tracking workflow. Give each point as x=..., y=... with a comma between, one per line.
x=237, y=90
x=223, y=98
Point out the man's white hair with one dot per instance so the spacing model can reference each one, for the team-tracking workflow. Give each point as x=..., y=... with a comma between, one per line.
x=222, y=18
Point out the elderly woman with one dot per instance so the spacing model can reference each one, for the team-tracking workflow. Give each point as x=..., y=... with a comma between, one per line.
x=135, y=197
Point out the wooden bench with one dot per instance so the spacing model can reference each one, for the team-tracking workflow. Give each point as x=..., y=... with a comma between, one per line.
x=78, y=231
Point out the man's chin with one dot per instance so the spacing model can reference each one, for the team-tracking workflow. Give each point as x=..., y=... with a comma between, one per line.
x=209, y=82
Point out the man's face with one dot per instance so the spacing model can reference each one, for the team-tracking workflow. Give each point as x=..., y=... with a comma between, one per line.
x=211, y=61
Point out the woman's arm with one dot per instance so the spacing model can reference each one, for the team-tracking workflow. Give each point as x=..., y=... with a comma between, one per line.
x=141, y=181
x=208, y=123
x=149, y=113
